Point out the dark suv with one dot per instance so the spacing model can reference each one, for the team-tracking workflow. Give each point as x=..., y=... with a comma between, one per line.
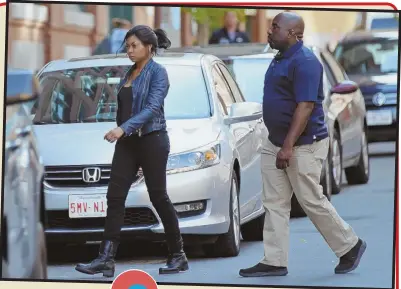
x=371, y=59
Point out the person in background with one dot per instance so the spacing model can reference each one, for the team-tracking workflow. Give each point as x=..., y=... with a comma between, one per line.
x=112, y=43
x=230, y=33
x=293, y=155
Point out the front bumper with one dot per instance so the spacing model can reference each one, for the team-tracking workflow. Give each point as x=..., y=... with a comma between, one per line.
x=210, y=185
x=386, y=132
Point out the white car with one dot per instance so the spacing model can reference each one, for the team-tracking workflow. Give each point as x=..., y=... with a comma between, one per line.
x=214, y=175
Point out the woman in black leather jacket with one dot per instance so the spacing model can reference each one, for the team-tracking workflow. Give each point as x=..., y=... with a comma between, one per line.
x=142, y=141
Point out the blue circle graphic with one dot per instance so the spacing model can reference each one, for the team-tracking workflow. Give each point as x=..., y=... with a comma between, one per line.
x=137, y=286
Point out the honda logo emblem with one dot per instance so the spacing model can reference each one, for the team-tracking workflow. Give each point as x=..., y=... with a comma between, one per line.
x=91, y=175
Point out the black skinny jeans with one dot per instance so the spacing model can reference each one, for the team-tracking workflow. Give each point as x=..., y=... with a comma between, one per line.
x=151, y=153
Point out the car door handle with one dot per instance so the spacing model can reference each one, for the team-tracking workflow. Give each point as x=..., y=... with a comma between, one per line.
x=13, y=145
x=20, y=133
x=23, y=132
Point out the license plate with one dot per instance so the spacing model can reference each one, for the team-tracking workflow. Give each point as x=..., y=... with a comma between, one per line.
x=379, y=117
x=87, y=206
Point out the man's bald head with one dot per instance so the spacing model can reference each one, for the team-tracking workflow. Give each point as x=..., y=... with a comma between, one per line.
x=293, y=21
x=287, y=28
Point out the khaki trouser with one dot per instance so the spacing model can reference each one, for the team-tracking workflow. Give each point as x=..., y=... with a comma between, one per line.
x=303, y=178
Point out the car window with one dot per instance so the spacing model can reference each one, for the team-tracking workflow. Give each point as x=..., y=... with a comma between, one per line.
x=326, y=73
x=233, y=85
x=222, y=89
x=90, y=94
x=249, y=73
x=384, y=23
x=333, y=66
x=373, y=57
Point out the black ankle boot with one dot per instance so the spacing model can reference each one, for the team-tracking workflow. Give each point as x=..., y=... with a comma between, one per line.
x=104, y=263
x=176, y=261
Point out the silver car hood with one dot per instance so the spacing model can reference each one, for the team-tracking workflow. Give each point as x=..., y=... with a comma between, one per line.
x=83, y=143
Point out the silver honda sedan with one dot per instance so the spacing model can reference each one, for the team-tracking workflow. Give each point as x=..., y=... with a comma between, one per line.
x=213, y=173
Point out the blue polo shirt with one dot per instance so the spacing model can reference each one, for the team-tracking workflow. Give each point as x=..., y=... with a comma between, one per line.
x=292, y=77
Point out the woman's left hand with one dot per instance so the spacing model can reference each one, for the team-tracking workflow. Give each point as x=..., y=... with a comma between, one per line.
x=114, y=134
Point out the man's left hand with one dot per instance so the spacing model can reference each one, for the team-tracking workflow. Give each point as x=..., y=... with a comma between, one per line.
x=283, y=158
x=114, y=134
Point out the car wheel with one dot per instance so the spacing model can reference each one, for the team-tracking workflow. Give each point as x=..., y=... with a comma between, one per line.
x=335, y=162
x=40, y=267
x=253, y=230
x=296, y=209
x=325, y=182
x=359, y=174
x=228, y=244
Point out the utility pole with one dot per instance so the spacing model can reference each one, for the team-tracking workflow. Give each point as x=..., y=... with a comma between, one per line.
x=158, y=16
x=93, y=36
x=47, y=34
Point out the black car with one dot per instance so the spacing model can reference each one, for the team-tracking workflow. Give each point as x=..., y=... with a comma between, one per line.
x=371, y=60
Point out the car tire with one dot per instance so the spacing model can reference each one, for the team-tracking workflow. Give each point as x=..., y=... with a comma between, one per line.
x=335, y=163
x=296, y=210
x=228, y=244
x=253, y=230
x=40, y=267
x=325, y=182
x=359, y=174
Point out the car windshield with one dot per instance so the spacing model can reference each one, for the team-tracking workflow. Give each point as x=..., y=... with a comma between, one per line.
x=89, y=95
x=250, y=76
x=375, y=57
x=384, y=23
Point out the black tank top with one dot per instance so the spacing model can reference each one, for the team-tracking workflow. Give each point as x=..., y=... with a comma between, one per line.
x=125, y=103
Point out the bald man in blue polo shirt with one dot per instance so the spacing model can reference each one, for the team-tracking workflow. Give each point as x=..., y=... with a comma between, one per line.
x=293, y=155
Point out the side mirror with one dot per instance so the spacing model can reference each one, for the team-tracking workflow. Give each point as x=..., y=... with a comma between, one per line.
x=345, y=87
x=243, y=112
x=21, y=87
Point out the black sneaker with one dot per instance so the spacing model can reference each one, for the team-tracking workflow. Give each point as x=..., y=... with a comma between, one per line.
x=262, y=270
x=350, y=261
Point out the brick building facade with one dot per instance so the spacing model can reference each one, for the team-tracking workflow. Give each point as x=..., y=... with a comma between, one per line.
x=38, y=33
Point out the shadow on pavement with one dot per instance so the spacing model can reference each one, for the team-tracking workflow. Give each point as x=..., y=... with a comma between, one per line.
x=128, y=251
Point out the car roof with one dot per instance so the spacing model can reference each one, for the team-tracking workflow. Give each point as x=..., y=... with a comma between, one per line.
x=19, y=81
x=224, y=51
x=269, y=54
x=165, y=58
x=363, y=35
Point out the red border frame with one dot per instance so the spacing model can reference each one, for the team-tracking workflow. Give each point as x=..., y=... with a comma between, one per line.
x=285, y=4
x=280, y=4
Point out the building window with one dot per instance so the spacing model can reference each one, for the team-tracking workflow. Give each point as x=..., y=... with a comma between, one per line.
x=75, y=7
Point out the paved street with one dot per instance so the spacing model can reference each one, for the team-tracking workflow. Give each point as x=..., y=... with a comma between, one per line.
x=368, y=208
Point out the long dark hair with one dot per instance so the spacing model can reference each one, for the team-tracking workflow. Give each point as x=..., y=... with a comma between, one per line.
x=157, y=38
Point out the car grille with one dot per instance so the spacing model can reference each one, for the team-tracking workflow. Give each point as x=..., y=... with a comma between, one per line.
x=134, y=217
x=71, y=176
x=391, y=100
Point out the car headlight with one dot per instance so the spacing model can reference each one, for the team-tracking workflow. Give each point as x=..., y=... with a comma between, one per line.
x=194, y=160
